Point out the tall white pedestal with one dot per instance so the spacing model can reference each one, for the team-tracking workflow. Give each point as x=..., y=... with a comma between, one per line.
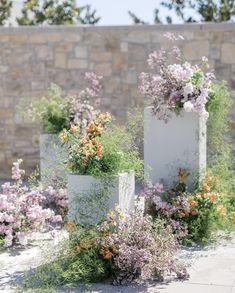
x=179, y=143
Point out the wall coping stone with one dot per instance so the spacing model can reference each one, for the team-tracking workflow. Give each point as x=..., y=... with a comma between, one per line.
x=84, y=28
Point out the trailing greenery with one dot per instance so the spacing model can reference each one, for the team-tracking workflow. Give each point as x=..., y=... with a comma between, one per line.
x=120, y=153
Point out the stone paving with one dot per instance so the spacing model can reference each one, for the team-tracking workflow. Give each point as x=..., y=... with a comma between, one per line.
x=212, y=270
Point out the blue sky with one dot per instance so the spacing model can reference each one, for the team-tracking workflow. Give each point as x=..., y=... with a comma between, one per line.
x=114, y=12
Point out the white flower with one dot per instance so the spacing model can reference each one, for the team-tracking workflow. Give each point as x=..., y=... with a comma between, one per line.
x=204, y=59
x=188, y=89
x=188, y=106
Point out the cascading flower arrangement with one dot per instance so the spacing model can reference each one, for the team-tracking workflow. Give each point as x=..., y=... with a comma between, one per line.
x=189, y=214
x=84, y=148
x=24, y=209
x=176, y=84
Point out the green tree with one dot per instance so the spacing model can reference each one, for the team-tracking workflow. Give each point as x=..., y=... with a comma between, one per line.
x=88, y=15
x=5, y=10
x=56, y=12
x=207, y=10
x=194, y=11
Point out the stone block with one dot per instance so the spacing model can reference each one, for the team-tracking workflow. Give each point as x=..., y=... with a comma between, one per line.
x=81, y=52
x=77, y=64
x=228, y=53
x=44, y=52
x=194, y=51
x=60, y=60
x=104, y=69
x=38, y=37
x=139, y=37
x=100, y=56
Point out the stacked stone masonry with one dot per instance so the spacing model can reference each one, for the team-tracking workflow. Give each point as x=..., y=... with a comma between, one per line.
x=31, y=58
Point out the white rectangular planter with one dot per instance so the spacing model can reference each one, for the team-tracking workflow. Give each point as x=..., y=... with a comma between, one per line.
x=52, y=157
x=91, y=198
x=179, y=143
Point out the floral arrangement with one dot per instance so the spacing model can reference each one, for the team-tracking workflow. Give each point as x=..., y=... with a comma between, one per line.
x=176, y=84
x=122, y=249
x=190, y=215
x=56, y=112
x=22, y=208
x=101, y=149
x=138, y=247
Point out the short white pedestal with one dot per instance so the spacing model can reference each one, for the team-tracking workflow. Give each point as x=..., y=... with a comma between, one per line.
x=91, y=198
x=179, y=143
x=52, y=157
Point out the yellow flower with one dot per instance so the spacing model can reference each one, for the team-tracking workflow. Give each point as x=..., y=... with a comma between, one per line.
x=86, y=243
x=71, y=226
x=63, y=136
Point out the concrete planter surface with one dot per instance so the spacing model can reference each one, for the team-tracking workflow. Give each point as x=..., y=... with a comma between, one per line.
x=52, y=157
x=179, y=143
x=90, y=198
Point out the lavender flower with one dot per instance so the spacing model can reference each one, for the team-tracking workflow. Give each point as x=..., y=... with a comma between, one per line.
x=175, y=84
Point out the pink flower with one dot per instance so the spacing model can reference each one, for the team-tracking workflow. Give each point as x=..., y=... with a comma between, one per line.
x=56, y=219
x=159, y=187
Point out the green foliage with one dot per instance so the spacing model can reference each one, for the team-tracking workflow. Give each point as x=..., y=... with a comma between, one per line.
x=201, y=228
x=51, y=111
x=135, y=127
x=78, y=260
x=119, y=154
x=88, y=15
x=207, y=10
x=220, y=156
x=56, y=12
x=5, y=10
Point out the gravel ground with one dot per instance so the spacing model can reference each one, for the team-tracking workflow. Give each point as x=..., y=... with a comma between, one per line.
x=212, y=270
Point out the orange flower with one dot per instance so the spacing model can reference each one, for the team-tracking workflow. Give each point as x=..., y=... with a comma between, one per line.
x=192, y=202
x=78, y=249
x=206, y=188
x=71, y=226
x=183, y=174
x=73, y=128
x=107, y=254
x=221, y=210
x=194, y=212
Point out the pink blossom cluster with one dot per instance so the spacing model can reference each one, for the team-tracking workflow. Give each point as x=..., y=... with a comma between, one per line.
x=83, y=110
x=57, y=200
x=142, y=249
x=174, y=84
x=21, y=209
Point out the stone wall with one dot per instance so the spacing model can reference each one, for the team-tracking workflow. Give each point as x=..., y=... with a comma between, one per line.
x=31, y=58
